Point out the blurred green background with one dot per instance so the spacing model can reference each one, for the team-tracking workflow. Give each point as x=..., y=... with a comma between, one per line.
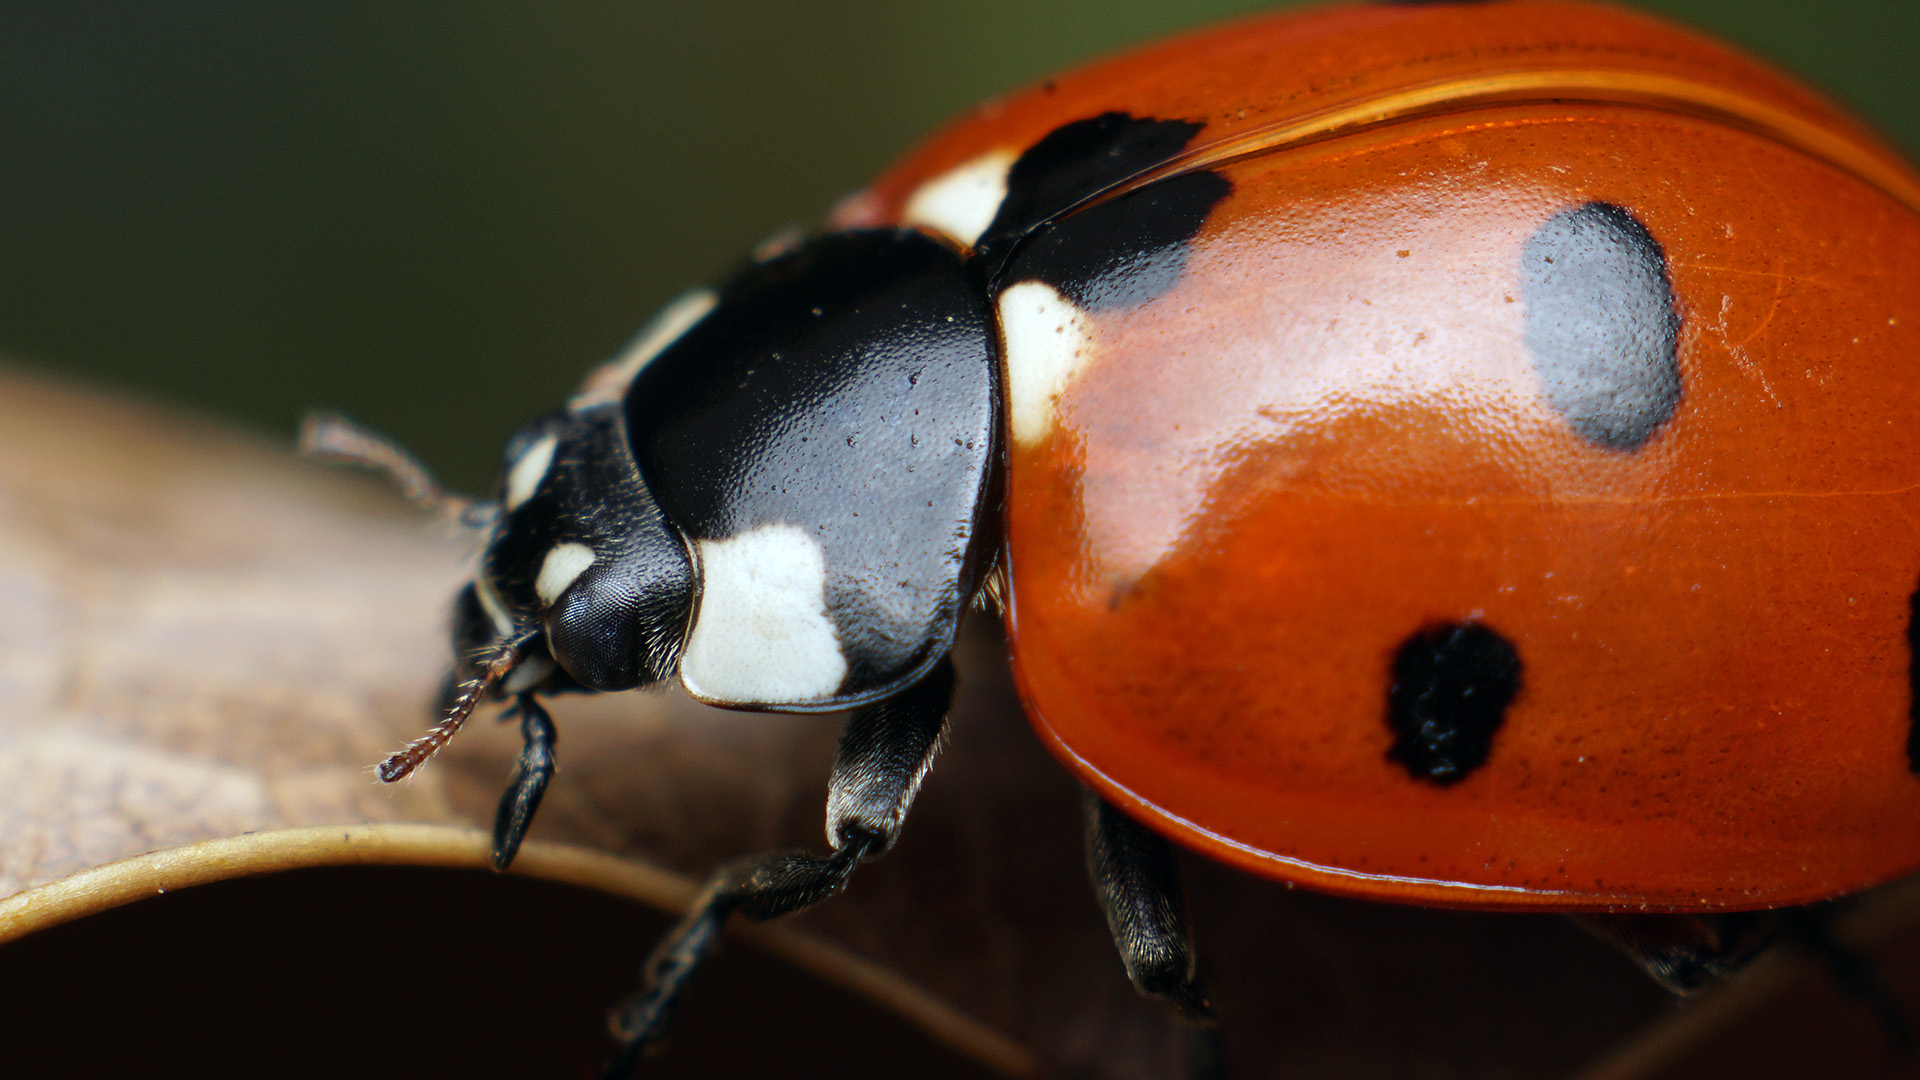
x=434, y=215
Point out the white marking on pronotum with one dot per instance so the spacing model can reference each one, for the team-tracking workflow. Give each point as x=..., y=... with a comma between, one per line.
x=962, y=202
x=563, y=564
x=762, y=635
x=1049, y=342
x=529, y=469
x=608, y=382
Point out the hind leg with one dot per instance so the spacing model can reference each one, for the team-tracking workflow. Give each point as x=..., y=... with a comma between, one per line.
x=1688, y=953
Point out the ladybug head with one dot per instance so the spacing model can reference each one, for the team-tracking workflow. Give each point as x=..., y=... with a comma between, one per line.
x=582, y=585
x=581, y=571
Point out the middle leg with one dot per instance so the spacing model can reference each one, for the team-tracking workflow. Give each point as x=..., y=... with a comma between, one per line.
x=1138, y=885
x=884, y=754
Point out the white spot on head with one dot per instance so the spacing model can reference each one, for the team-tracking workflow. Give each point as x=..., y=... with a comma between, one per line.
x=1049, y=342
x=608, y=382
x=963, y=201
x=528, y=674
x=563, y=564
x=495, y=608
x=529, y=469
x=762, y=635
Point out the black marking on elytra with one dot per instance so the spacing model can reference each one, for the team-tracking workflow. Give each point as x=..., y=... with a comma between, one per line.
x=849, y=388
x=1450, y=688
x=1076, y=161
x=1123, y=252
x=1913, y=681
x=1601, y=325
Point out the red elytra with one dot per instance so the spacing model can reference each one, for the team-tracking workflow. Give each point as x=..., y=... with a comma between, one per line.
x=1329, y=435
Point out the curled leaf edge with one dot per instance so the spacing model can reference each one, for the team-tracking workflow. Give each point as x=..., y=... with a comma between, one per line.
x=205, y=862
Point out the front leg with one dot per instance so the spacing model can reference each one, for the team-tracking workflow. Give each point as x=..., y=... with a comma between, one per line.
x=884, y=754
x=529, y=783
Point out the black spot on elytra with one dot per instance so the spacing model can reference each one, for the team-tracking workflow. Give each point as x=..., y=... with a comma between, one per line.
x=1123, y=252
x=1114, y=254
x=1913, y=679
x=1600, y=324
x=1451, y=685
x=1077, y=160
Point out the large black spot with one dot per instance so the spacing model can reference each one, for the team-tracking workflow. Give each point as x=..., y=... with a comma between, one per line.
x=1075, y=161
x=1913, y=679
x=1117, y=253
x=1600, y=324
x=1451, y=685
x=1123, y=252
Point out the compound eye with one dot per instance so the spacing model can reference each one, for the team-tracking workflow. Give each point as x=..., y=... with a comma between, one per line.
x=591, y=633
x=618, y=625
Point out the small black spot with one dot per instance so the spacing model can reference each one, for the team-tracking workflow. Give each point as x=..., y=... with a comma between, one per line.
x=1077, y=160
x=1913, y=679
x=1451, y=685
x=1601, y=325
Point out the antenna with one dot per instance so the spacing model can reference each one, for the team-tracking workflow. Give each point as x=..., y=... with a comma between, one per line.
x=505, y=656
x=331, y=437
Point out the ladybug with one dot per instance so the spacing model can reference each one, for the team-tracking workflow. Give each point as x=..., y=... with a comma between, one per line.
x=1458, y=454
